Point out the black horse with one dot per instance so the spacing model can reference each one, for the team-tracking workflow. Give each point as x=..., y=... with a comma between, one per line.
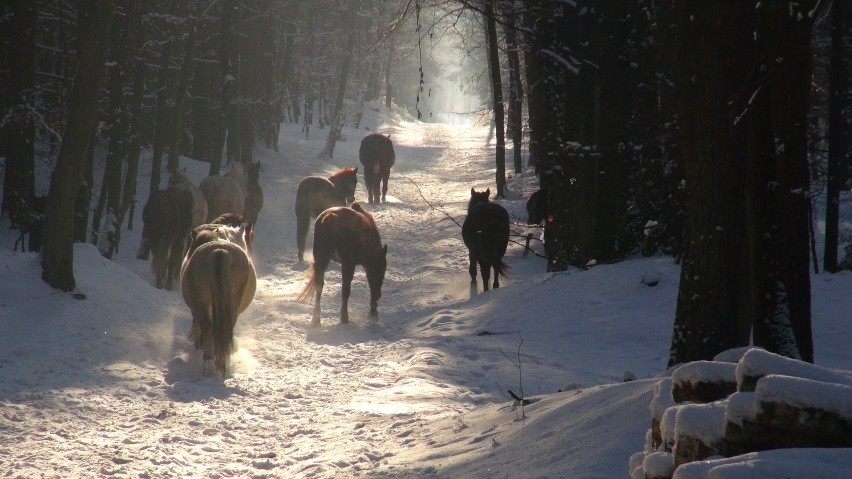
x=377, y=156
x=485, y=232
x=537, y=211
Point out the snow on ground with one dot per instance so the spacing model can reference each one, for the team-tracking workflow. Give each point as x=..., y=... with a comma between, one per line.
x=108, y=385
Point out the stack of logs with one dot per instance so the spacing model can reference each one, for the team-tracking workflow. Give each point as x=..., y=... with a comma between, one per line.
x=745, y=400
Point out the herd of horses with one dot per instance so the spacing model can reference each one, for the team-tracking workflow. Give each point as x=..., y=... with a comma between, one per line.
x=203, y=236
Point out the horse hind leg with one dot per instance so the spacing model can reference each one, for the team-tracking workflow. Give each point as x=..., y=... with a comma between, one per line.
x=302, y=225
x=385, y=178
x=347, y=273
x=472, y=267
x=485, y=269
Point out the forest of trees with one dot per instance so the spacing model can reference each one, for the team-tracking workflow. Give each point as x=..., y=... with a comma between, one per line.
x=706, y=131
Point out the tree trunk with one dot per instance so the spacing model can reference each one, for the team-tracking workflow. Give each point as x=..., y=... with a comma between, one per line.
x=516, y=95
x=19, y=177
x=337, y=116
x=105, y=215
x=497, y=91
x=838, y=131
x=784, y=33
x=713, y=64
x=58, y=254
x=162, y=125
x=226, y=84
x=182, y=95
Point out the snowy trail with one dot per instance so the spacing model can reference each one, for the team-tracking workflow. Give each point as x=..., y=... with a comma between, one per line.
x=337, y=401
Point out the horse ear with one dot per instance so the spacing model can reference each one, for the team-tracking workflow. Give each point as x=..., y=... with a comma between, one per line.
x=487, y=192
x=355, y=170
x=472, y=192
x=385, y=249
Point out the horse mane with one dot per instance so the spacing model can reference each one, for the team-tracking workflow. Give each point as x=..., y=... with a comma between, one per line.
x=346, y=170
x=367, y=216
x=229, y=219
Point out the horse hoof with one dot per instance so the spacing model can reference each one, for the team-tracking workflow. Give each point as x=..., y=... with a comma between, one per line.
x=315, y=323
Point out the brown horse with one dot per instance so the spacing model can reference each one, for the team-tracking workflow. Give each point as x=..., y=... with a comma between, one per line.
x=316, y=194
x=218, y=282
x=350, y=237
x=377, y=156
x=485, y=232
x=224, y=194
x=166, y=223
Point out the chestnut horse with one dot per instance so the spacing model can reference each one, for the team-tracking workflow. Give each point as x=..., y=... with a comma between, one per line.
x=350, y=237
x=316, y=194
x=485, y=232
x=377, y=156
x=166, y=223
x=218, y=282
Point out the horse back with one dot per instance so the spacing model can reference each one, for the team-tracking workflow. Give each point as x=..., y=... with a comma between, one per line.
x=347, y=235
x=316, y=194
x=376, y=149
x=223, y=195
x=199, y=281
x=488, y=223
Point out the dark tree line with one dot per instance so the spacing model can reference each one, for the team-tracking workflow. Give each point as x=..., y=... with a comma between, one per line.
x=688, y=128
x=209, y=79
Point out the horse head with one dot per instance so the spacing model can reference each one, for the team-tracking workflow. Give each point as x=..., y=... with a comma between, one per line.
x=477, y=197
x=345, y=182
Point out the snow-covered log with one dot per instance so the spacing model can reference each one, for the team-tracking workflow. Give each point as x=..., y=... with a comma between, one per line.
x=699, y=431
x=757, y=363
x=704, y=381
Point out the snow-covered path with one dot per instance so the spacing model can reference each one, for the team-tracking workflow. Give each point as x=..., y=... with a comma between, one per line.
x=335, y=401
x=104, y=383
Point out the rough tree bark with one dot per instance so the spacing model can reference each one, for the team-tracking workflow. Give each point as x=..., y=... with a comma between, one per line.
x=58, y=253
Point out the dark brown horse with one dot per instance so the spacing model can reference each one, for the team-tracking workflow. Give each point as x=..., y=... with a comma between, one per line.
x=254, y=194
x=485, y=232
x=166, y=223
x=316, y=194
x=350, y=237
x=377, y=156
x=537, y=211
x=218, y=282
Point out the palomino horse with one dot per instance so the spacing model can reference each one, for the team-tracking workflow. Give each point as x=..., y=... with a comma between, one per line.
x=350, y=237
x=166, y=223
x=485, y=232
x=218, y=282
x=224, y=194
x=377, y=156
x=317, y=194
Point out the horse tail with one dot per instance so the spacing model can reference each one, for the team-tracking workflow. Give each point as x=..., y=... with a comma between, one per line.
x=325, y=231
x=501, y=268
x=311, y=288
x=223, y=309
x=303, y=217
